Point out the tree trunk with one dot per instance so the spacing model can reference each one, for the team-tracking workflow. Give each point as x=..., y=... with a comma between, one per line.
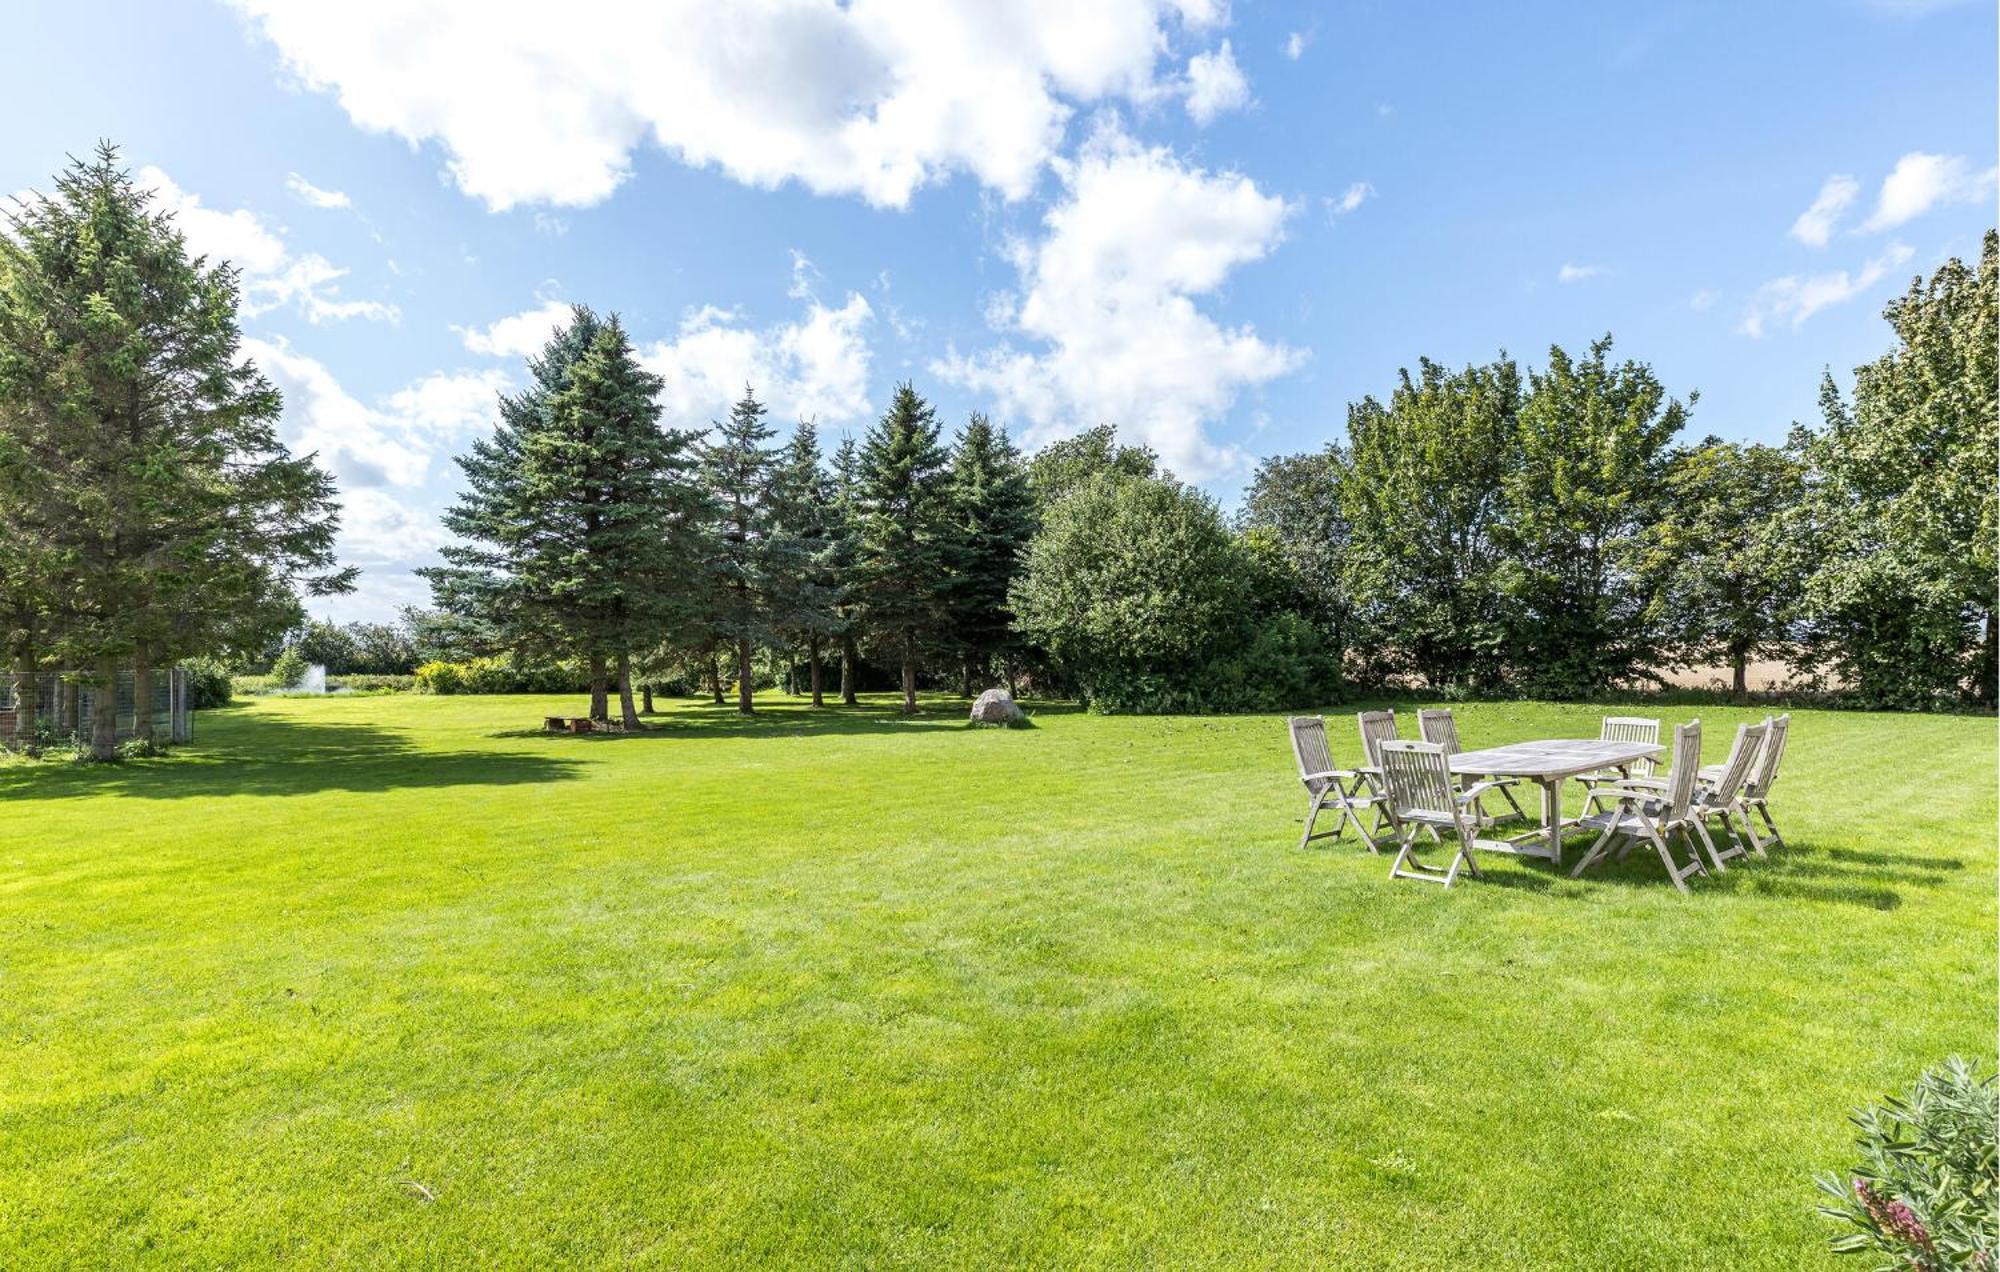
x=848, y=671
x=104, y=710
x=818, y=672
x=1739, y=661
x=627, y=714
x=715, y=677
x=600, y=702
x=909, y=681
x=745, y=675
x=26, y=696
x=1013, y=678
x=142, y=694
x=72, y=701
x=1986, y=688
x=645, y=699
x=965, y=689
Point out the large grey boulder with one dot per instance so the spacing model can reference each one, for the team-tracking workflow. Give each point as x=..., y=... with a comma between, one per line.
x=996, y=706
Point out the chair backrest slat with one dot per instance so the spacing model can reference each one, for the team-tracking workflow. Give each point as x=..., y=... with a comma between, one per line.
x=1764, y=774
x=1418, y=778
x=1742, y=752
x=1631, y=729
x=1309, y=745
x=1436, y=725
x=1686, y=763
x=1377, y=727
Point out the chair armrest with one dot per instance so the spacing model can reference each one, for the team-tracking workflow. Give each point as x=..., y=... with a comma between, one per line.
x=1314, y=777
x=1477, y=789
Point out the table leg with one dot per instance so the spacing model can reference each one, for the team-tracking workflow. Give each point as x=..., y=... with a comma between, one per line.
x=1552, y=819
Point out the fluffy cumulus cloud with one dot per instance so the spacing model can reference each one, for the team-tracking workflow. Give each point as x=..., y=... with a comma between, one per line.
x=814, y=367
x=1815, y=225
x=539, y=104
x=1920, y=182
x=1351, y=198
x=273, y=276
x=1793, y=299
x=517, y=335
x=384, y=457
x=393, y=444
x=1574, y=273
x=1215, y=84
x=1107, y=305
x=312, y=196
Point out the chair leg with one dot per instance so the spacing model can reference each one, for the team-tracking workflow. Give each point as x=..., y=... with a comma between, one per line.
x=1735, y=849
x=1507, y=793
x=1764, y=811
x=1709, y=844
x=1406, y=866
x=1313, y=805
x=1595, y=851
x=1678, y=875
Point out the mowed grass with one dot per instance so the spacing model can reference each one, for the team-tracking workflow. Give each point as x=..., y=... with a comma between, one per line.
x=401, y=980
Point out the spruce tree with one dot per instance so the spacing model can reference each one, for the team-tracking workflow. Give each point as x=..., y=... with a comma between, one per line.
x=843, y=556
x=903, y=561
x=992, y=519
x=140, y=449
x=736, y=469
x=804, y=590
x=580, y=517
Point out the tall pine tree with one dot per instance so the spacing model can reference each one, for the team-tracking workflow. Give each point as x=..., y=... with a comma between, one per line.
x=141, y=450
x=992, y=514
x=843, y=558
x=736, y=469
x=580, y=517
x=804, y=590
x=903, y=560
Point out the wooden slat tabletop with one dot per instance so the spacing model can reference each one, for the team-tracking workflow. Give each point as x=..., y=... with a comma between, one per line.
x=1550, y=759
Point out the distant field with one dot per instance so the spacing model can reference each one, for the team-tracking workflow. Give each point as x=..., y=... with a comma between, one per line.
x=373, y=981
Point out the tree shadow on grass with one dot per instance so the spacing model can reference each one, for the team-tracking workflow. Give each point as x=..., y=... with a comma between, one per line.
x=789, y=720
x=270, y=755
x=1797, y=873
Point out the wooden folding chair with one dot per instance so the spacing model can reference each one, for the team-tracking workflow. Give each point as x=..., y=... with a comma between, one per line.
x=1329, y=787
x=1756, y=794
x=1652, y=810
x=1423, y=797
x=1624, y=729
x=1437, y=725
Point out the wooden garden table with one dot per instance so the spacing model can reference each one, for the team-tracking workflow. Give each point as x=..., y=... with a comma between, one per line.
x=1549, y=764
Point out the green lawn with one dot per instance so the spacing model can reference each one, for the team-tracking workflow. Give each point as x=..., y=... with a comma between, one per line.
x=400, y=980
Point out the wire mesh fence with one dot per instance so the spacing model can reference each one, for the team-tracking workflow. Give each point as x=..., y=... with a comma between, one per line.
x=65, y=707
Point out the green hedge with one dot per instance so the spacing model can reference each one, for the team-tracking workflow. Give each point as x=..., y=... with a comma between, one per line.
x=497, y=675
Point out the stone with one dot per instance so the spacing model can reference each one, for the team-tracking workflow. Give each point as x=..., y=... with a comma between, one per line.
x=996, y=706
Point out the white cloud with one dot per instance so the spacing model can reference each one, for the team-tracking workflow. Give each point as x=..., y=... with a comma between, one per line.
x=878, y=98
x=1815, y=225
x=1215, y=84
x=1108, y=294
x=1295, y=45
x=272, y=277
x=1351, y=198
x=365, y=446
x=517, y=335
x=1920, y=182
x=1793, y=299
x=1573, y=273
x=813, y=368
x=313, y=196
x=1703, y=301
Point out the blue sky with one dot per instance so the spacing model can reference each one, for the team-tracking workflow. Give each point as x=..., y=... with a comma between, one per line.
x=1213, y=225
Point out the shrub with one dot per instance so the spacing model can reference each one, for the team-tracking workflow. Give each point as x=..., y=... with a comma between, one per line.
x=289, y=669
x=208, y=683
x=1923, y=1196
x=440, y=677
x=370, y=683
x=496, y=675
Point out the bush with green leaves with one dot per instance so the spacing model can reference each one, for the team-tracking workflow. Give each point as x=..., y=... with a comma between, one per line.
x=498, y=675
x=1923, y=1197
x=289, y=669
x=209, y=683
